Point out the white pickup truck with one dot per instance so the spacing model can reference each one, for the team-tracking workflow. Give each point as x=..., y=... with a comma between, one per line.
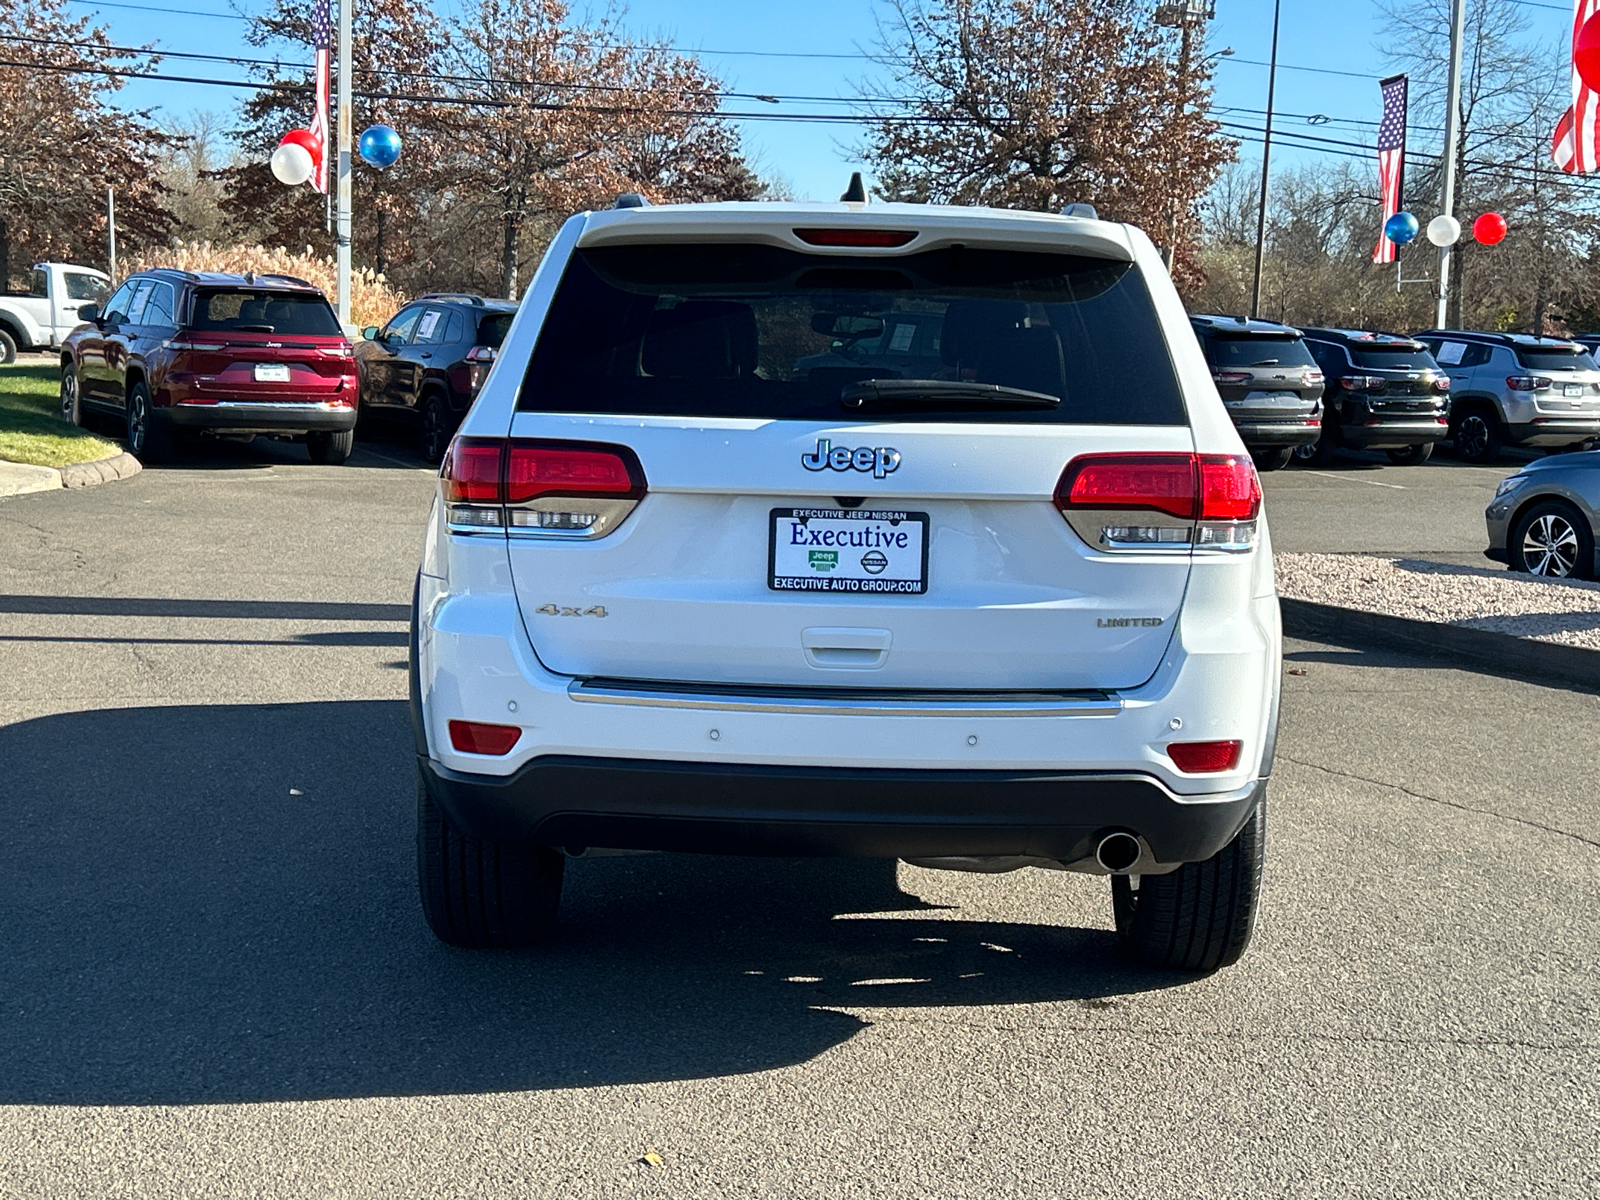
x=40, y=317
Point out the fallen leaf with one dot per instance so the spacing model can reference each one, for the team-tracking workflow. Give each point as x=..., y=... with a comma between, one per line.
x=653, y=1159
x=296, y=792
x=1297, y=670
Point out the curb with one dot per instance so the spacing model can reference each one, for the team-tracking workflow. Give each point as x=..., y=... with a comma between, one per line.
x=105, y=470
x=1501, y=653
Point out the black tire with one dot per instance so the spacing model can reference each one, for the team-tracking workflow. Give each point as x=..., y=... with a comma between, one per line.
x=1305, y=454
x=1272, y=460
x=1412, y=456
x=330, y=449
x=8, y=346
x=483, y=895
x=1552, y=539
x=1476, y=434
x=435, y=427
x=71, y=397
x=147, y=441
x=1201, y=916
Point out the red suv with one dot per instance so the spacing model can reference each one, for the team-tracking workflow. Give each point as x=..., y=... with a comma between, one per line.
x=235, y=355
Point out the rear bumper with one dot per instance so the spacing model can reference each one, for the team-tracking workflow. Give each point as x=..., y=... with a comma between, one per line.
x=1394, y=433
x=761, y=809
x=269, y=416
x=1258, y=434
x=1554, y=431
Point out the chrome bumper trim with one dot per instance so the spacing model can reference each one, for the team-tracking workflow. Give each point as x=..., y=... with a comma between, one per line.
x=848, y=702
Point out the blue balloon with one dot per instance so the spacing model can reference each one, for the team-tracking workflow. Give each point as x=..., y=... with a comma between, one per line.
x=1399, y=229
x=380, y=147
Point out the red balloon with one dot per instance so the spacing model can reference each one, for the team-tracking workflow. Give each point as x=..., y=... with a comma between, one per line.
x=1489, y=229
x=1586, y=52
x=300, y=137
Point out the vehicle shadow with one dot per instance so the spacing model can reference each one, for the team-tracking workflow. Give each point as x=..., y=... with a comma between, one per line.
x=217, y=904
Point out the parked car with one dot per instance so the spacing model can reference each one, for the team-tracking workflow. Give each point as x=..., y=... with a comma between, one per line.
x=1546, y=517
x=677, y=594
x=427, y=363
x=1515, y=389
x=863, y=346
x=1269, y=384
x=213, y=353
x=39, y=318
x=1385, y=392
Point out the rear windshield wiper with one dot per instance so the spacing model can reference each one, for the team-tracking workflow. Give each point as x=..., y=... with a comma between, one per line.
x=941, y=391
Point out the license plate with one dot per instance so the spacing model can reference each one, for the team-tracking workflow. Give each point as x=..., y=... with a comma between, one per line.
x=848, y=550
x=1573, y=389
x=272, y=373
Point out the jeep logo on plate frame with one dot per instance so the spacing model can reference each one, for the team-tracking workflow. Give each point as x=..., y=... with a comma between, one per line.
x=879, y=460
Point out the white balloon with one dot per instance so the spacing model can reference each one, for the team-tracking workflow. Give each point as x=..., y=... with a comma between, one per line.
x=291, y=164
x=1444, y=231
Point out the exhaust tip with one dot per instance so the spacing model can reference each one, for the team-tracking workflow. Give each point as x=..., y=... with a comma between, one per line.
x=1117, y=852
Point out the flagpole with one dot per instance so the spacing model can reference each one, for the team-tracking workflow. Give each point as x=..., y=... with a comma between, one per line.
x=342, y=204
x=1452, y=127
x=1266, y=166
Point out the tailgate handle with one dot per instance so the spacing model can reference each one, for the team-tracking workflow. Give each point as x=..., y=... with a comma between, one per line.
x=845, y=647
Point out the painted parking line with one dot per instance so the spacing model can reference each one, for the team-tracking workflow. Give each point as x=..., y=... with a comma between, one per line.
x=1399, y=487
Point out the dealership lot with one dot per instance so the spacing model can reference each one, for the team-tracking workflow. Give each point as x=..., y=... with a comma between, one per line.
x=216, y=979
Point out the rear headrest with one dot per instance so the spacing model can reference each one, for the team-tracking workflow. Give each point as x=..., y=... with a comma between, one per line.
x=970, y=325
x=701, y=339
x=280, y=310
x=253, y=311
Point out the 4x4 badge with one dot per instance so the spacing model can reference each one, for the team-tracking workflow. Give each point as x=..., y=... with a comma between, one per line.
x=880, y=460
x=554, y=610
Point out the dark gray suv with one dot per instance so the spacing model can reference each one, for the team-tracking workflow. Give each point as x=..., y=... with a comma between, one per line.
x=1385, y=392
x=1268, y=381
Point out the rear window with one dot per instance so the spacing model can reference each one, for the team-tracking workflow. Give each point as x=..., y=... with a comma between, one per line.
x=1258, y=351
x=492, y=330
x=1552, y=358
x=243, y=311
x=760, y=331
x=1392, y=358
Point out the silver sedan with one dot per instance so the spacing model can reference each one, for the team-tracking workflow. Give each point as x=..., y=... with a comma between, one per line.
x=1544, y=518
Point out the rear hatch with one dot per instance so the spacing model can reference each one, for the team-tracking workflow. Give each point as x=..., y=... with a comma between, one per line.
x=842, y=532
x=1264, y=376
x=263, y=345
x=1401, y=378
x=1565, y=378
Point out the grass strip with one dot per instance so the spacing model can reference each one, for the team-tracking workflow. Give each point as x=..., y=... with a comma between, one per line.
x=31, y=431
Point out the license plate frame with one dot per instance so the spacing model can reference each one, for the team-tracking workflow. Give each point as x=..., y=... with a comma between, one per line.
x=1573, y=391
x=878, y=529
x=272, y=373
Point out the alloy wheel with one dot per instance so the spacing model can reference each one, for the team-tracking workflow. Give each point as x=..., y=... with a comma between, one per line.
x=433, y=436
x=1550, y=546
x=69, y=397
x=1472, y=436
x=1306, y=453
x=138, y=424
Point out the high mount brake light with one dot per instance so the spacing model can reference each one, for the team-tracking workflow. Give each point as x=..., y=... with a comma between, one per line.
x=1196, y=500
x=1201, y=758
x=540, y=488
x=856, y=237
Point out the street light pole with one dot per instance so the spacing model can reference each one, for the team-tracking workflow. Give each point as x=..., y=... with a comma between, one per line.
x=341, y=214
x=1452, y=135
x=1266, y=166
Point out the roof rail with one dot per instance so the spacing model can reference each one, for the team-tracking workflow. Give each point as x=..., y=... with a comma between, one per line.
x=469, y=297
x=285, y=278
x=631, y=200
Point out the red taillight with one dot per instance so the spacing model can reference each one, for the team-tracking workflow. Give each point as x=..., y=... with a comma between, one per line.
x=1197, y=758
x=1229, y=488
x=480, y=354
x=1527, y=383
x=1231, y=377
x=855, y=237
x=1441, y=385
x=1157, y=482
x=571, y=469
x=474, y=737
x=1362, y=383
x=1206, y=487
x=472, y=472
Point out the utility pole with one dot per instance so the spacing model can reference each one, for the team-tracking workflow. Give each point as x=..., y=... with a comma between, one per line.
x=111, y=233
x=1452, y=135
x=1185, y=14
x=341, y=218
x=1266, y=166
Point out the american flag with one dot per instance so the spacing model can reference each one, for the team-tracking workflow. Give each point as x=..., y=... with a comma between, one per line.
x=1576, y=146
x=322, y=39
x=1392, y=159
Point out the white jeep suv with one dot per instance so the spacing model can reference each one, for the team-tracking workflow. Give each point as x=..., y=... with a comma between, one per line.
x=709, y=571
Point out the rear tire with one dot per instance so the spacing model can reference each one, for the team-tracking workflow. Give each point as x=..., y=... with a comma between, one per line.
x=330, y=449
x=1273, y=460
x=147, y=441
x=1411, y=456
x=1477, y=435
x=483, y=895
x=435, y=427
x=71, y=399
x=1552, y=539
x=1201, y=916
x=8, y=347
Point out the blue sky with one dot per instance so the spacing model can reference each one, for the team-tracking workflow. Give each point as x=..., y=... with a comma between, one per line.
x=757, y=47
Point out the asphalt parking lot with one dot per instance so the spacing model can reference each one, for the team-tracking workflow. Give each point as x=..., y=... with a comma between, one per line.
x=215, y=979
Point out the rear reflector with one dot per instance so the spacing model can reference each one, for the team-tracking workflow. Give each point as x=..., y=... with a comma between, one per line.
x=855, y=237
x=474, y=737
x=1198, y=758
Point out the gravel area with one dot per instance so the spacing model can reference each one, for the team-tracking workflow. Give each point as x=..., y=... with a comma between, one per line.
x=1546, y=610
